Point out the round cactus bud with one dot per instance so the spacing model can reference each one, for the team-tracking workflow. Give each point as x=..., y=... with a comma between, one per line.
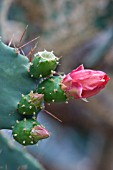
x=29, y=132
x=43, y=64
x=30, y=104
x=51, y=88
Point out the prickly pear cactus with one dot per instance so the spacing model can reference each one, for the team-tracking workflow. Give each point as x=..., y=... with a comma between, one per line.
x=26, y=84
x=20, y=101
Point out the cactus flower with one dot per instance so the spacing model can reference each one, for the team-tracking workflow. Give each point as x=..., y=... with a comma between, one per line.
x=84, y=83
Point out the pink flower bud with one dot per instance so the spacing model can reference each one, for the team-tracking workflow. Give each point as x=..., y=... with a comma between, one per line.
x=84, y=83
x=39, y=132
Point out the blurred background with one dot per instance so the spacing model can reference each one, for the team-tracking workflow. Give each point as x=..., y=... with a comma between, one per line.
x=81, y=31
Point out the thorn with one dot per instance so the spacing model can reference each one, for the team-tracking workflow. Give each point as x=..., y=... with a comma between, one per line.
x=66, y=102
x=24, y=113
x=29, y=55
x=53, y=100
x=52, y=115
x=32, y=142
x=24, y=129
x=23, y=105
x=22, y=36
x=11, y=40
x=31, y=75
x=22, y=95
x=30, y=136
x=43, y=88
x=49, y=93
x=29, y=42
x=22, y=52
x=34, y=113
x=59, y=58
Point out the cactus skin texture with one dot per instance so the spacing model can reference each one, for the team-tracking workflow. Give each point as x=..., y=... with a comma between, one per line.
x=51, y=88
x=43, y=64
x=26, y=132
x=14, y=158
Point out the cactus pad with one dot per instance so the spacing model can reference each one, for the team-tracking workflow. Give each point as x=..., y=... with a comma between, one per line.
x=14, y=81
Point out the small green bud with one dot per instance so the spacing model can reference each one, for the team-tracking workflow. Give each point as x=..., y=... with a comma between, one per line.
x=29, y=132
x=30, y=104
x=51, y=88
x=43, y=64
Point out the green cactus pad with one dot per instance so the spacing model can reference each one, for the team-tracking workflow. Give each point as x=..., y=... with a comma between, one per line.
x=14, y=81
x=12, y=157
x=43, y=64
x=22, y=132
x=51, y=89
x=30, y=104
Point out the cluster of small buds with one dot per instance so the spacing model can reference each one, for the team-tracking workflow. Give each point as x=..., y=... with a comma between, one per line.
x=28, y=131
x=52, y=88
